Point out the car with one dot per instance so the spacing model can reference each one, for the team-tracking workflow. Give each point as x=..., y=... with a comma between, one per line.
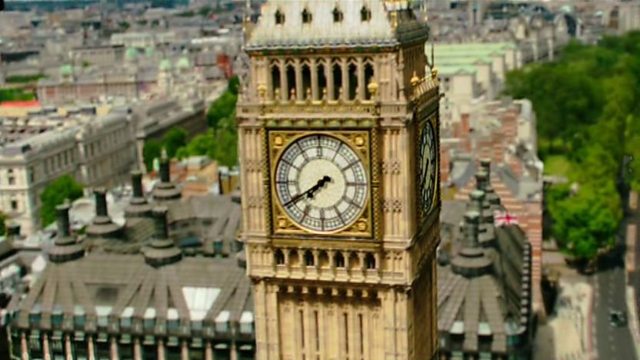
x=617, y=318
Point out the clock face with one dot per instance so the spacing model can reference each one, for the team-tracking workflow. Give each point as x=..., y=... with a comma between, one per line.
x=321, y=183
x=428, y=166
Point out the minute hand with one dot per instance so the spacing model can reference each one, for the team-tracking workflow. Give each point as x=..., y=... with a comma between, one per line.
x=309, y=192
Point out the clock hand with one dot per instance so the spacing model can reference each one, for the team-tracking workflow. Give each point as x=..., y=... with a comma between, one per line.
x=309, y=193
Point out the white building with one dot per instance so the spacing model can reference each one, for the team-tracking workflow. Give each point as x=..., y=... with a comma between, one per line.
x=97, y=151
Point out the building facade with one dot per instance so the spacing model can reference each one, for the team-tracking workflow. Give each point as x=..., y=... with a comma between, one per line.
x=98, y=152
x=339, y=168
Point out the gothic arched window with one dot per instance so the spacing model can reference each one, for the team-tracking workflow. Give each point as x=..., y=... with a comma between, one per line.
x=370, y=261
x=338, y=260
x=365, y=14
x=337, y=15
x=279, y=257
x=306, y=16
x=279, y=17
x=308, y=258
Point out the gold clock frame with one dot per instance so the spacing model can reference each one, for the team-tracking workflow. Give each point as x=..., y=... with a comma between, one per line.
x=421, y=124
x=361, y=142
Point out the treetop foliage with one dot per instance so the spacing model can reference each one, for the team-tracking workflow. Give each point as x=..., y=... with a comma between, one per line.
x=55, y=193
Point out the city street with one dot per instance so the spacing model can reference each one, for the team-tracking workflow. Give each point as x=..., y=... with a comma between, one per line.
x=609, y=293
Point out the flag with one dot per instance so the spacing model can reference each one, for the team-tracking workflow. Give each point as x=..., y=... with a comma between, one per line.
x=503, y=218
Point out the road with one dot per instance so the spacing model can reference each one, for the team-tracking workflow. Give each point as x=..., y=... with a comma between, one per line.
x=609, y=293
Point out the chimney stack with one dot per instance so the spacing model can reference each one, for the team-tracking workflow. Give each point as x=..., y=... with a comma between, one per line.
x=65, y=246
x=485, y=164
x=138, y=206
x=136, y=183
x=165, y=171
x=160, y=222
x=481, y=180
x=64, y=229
x=162, y=250
x=101, y=202
x=471, y=219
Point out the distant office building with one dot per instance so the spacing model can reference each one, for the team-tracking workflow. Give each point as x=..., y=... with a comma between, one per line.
x=96, y=151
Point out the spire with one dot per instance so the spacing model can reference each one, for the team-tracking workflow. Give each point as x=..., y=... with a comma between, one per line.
x=162, y=250
x=65, y=247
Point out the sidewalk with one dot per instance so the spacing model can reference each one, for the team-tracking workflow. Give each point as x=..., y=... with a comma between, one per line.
x=568, y=333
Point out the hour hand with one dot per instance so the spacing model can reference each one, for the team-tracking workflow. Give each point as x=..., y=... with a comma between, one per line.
x=309, y=192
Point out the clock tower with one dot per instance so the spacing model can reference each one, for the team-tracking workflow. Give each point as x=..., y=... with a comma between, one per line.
x=338, y=141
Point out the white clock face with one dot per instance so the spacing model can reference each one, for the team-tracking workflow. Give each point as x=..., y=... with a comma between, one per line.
x=321, y=183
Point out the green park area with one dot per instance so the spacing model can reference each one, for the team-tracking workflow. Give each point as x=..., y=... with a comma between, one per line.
x=23, y=79
x=219, y=142
x=587, y=105
x=16, y=95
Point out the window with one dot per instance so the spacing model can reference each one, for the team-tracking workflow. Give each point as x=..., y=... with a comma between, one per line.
x=365, y=14
x=353, y=81
x=279, y=17
x=322, y=81
x=337, y=81
x=339, y=260
x=306, y=81
x=308, y=258
x=10, y=177
x=279, y=257
x=337, y=15
x=370, y=261
x=368, y=79
x=275, y=80
x=14, y=205
x=306, y=16
x=291, y=82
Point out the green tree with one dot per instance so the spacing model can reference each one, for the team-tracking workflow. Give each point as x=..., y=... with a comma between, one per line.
x=16, y=95
x=588, y=221
x=55, y=193
x=221, y=108
x=201, y=144
x=152, y=150
x=234, y=85
x=173, y=140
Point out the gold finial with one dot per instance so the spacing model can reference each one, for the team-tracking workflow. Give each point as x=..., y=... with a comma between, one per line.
x=262, y=91
x=340, y=93
x=292, y=95
x=434, y=73
x=324, y=94
x=308, y=94
x=276, y=94
x=373, y=89
x=415, y=80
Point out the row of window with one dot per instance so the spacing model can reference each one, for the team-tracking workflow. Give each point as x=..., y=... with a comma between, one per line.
x=334, y=79
x=323, y=259
x=149, y=350
x=338, y=15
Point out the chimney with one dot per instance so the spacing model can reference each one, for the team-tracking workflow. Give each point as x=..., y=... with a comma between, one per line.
x=485, y=164
x=64, y=229
x=165, y=171
x=481, y=180
x=162, y=250
x=477, y=196
x=160, y=222
x=471, y=219
x=136, y=184
x=101, y=202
